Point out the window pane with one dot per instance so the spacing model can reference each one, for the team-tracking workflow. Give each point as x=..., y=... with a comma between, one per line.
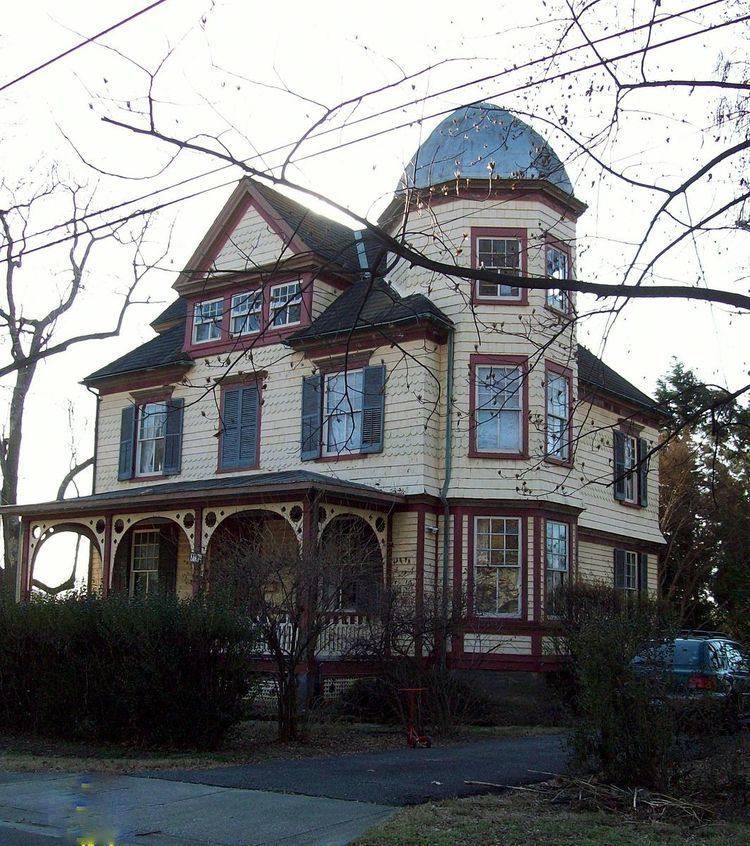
x=498, y=409
x=557, y=263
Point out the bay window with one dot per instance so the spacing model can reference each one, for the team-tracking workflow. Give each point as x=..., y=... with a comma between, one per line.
x=498, y=409
x=497, y=566
x=503, y=254
x=558, y=415
x=557, y=563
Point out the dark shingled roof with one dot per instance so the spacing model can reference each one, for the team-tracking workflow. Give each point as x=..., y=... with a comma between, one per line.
x=162, y=350
x=328, y=238
x=236, y=484
x=176, y=310
x=595, y=372
x=370, y=304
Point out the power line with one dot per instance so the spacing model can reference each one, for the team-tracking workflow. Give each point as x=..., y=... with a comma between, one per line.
x=365, y=118
x=360, y=139
x=81, y=44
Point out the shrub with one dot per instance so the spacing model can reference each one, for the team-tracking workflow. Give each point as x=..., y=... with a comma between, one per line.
x=622, y=725
x=155, y=672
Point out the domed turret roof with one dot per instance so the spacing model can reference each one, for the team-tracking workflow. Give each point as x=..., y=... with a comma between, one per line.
x=479, y=141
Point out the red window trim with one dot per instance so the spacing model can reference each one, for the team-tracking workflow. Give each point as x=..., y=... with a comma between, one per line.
x=551, y=241
x=235, y=384
x=499, y=232
x=268, y=334
x=559, y=370
x=500, y=360
x=543, y=557
x=473, y=514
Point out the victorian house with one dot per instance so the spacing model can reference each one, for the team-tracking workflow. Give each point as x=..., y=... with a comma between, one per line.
x=307, y=378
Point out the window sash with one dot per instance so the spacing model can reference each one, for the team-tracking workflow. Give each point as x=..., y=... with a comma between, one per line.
x=152, y=426
x=286, y=303
x=497, y=566
x=503, y=255
x=557, y=561
x=144, y=562
x=245, y=314
x=207, y=319
x=498, y=408
x=630, y=575
x=631, y=459
x=558, y=416
x=343, y=401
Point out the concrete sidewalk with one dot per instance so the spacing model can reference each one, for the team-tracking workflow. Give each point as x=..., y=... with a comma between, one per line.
x=128, y=811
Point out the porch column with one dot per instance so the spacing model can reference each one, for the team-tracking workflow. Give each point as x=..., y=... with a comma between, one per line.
x=23, y=577
x=107, y=557
x=419, y=586
x=198, y=569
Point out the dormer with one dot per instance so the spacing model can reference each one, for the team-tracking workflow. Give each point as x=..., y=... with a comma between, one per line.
x=266, y=268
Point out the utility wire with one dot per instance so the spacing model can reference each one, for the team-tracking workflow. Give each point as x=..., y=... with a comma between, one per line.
x=365, y=118
x=78, y=46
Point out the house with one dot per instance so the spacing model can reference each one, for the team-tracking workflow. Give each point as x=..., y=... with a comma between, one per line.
x=306, y=376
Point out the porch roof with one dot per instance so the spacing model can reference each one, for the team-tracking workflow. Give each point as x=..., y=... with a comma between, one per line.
x=220, y=489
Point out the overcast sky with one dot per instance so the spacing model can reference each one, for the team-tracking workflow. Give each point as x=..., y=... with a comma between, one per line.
x=263, y=79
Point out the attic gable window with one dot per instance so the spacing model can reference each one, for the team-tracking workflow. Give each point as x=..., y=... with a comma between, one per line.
x=207, y=319
x=245, y=314
x=286, y=304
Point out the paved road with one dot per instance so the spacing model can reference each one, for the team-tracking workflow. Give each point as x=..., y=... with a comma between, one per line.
x=402, y=777
x=314, y=802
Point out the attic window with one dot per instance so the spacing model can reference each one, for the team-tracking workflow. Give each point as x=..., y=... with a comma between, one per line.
x=246, y=313
x=286, y=303
x=207, y=321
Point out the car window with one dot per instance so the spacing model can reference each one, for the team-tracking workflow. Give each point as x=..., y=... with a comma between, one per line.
x=680, y=653
x=716, y=660
x=737, y=662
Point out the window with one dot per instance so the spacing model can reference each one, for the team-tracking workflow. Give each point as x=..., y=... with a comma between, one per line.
x=503, y=255
x=150, y=439
x=498, y=409
x=343, y=412
x=286, y=304
x=630, y=469
x=245, y=315
x=497, y=566
x=557, y=563
x=558, y=416
x=557, y=267
x=207, y=321
x=631, y=570
x=152, y=426
x=240, y=425
x=144, y=562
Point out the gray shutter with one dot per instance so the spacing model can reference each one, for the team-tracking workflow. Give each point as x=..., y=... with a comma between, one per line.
x=126, y=464
x=619, y=577
x=642, y=572
x=173, y=437
x=373, y=408
x=229, y=450
x=312, y=417
x=642, y=472
x=619, y=464
x=248, y=434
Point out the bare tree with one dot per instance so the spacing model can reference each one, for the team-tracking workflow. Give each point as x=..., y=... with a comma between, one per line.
x=31, y=337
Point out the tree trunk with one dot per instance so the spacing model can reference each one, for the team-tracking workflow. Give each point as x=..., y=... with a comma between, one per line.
x=11, y=454
x=287, y=703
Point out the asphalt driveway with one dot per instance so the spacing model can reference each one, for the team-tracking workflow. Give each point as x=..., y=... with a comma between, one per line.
x=401, y=777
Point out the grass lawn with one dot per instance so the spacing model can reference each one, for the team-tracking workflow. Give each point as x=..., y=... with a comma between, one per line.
x=519, y=819
x=249, y=742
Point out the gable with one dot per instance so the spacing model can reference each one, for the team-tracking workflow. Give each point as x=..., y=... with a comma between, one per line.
x=252, y=242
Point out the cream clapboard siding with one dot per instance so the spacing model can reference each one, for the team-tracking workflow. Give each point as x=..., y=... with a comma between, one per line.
x=594, y=462
x=252, y=243
x=596, y=564
x=404, y=548
x=323, y=295
x=400, y=467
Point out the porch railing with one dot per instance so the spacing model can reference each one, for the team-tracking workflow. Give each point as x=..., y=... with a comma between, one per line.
x=336, y=640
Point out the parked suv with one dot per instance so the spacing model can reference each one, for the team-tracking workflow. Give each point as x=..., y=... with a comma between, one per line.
x=704, y=671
